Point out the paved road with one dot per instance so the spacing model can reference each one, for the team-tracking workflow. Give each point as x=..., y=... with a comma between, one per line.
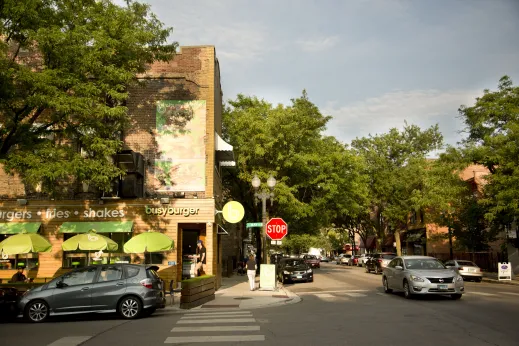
x=343, y=306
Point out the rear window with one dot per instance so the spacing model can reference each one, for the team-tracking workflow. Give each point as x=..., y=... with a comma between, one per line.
x=467, y=263
x=311, y=257
x=388, y=256
x=131, y=271
x=152, y=274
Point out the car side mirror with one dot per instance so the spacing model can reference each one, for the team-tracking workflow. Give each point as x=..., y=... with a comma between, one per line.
x=399, y=267
x=60, y=284
x=448, y=267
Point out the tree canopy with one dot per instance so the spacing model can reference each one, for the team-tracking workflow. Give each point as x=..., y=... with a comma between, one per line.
x=65, y=69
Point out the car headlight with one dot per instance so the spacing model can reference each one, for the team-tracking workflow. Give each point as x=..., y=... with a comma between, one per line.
x=416, y=278
x=459, y=278
x=285, y=272
x=309, y=271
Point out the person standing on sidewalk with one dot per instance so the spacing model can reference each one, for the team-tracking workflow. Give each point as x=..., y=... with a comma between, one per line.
x=251, y=272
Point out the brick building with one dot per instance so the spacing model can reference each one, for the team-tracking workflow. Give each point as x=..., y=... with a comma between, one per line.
x=173, y=155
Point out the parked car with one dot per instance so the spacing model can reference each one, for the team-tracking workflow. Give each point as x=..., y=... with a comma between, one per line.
x=129, y=289
x=325, y=259
x=9, y=298
x=419, y=275
x=377, y=262
x=354, y=259
x=312, y=261
x=344, y=258
x=467, y=269
x=362, y=259
x=294, y=269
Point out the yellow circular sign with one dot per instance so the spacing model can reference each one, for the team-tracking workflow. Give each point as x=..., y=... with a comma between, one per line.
x=233, y=212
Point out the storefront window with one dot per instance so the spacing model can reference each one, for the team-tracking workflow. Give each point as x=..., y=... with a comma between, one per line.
x=78, y=259
x=15, y=261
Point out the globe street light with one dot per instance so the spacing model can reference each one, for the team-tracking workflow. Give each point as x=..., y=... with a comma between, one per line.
x=263, y=196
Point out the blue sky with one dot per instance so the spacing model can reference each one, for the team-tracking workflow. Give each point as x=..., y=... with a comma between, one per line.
x=371, y=64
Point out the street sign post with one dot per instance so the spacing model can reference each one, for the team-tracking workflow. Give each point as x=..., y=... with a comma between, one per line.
x=276, y=228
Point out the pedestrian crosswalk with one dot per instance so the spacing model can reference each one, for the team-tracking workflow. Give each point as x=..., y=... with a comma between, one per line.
x=216, y=326
x=349, y=294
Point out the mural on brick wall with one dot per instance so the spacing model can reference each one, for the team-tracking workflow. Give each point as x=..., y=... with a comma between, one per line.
x=180, y=160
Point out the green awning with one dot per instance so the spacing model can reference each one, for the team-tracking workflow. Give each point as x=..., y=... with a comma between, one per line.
x=100, y=227
x=18, y=227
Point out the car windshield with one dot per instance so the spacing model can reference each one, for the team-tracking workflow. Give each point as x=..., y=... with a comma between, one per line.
x=388, y=256
x=423, y=264
x=467, y=263
x=311, y=257
x=293, y=263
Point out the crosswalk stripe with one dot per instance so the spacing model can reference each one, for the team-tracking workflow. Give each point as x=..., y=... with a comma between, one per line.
x=214, y=338
x=211, y=321
x=510, y=293
x=70, y=341
x=216, y=329
x=319, y=292
x=214, y=316
x=324, y=295
x=355, y=294
x=218, y=313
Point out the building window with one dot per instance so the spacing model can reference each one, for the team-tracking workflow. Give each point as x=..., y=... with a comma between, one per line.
x=79, y=258
x=12, y=262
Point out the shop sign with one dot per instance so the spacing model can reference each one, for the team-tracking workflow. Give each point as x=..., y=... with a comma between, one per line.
x=55, y=213
x=504, y=271
x=171, y=211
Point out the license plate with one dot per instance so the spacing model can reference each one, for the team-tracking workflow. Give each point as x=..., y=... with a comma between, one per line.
x=299, y=277
x=442, y=287
x=472, y=270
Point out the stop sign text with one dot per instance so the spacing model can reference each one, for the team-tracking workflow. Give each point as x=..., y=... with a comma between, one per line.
x=277, y=228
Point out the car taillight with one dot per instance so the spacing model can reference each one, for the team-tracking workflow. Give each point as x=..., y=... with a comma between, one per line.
x=379, y=261
x=460, y=268
x=147, y=283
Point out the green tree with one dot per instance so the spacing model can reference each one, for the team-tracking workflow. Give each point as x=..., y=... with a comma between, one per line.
x=397, y=169
x=65, y=70
x=492, y=124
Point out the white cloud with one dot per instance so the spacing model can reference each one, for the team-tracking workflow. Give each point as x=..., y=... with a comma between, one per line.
x=318, y=44
x=377, y=115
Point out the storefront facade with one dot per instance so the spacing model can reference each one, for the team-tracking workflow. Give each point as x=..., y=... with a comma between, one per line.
x=173, y=157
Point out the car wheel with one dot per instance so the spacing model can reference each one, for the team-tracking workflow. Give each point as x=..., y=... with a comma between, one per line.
x=130, y=307
x=386, y=285
x=367, y=269
x=407, y=290
x=377, y=271
x=37, y=311
x=456, y=296
x=478, y=279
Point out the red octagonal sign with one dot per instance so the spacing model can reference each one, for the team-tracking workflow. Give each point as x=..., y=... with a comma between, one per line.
x=277, y=229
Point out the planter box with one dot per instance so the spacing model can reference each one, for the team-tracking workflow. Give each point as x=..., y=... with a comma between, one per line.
x=197, y=291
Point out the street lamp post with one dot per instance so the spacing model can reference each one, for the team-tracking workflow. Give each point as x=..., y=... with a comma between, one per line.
x=263, y=196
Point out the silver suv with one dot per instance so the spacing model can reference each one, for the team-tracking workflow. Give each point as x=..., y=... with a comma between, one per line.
x=129, y=289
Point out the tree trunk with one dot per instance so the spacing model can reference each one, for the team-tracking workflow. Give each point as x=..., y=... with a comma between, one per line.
x=398, y=244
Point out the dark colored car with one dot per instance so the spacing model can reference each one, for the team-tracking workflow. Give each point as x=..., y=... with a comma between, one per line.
x=128, y=289
x=312, y=261
x=294, y=269
x=9, y=298
x=378, y=261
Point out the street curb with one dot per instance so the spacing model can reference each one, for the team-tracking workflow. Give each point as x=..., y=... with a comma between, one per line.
x=494, y=281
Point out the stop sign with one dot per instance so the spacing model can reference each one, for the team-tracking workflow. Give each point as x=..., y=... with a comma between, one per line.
x=277, y=229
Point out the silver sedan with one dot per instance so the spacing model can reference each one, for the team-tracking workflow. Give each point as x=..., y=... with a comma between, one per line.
x=420, y=275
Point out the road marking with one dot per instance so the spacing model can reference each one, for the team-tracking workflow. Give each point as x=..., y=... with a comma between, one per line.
x=216, y=329
x=70, y=341
x=215, y=316
x=510, y=293
x=210, y=321
x=355, y=294
x=319, y=292
x=324, y=295
x=217, y=313
x=213, y=338
x=482, y=294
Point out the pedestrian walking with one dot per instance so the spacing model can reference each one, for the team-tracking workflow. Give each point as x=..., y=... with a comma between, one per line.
x=251, y=272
